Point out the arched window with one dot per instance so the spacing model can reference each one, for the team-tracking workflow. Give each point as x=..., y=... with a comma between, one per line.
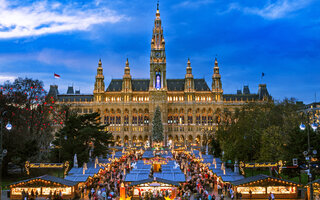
x=198, y=119
x=158, y=80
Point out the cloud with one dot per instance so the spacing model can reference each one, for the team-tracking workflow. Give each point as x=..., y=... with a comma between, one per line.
x=276, y=10
x=4, y=78
x=42, y=17
x=192, y=3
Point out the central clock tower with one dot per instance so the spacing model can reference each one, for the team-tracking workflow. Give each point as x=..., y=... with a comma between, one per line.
x=158, y=72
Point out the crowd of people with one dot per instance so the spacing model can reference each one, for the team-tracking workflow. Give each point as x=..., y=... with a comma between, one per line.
x=107, y=184
x=200, y=181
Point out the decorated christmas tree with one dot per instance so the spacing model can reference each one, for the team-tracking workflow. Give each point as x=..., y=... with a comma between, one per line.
x=157, y=128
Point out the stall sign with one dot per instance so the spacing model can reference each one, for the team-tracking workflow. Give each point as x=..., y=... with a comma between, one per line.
x=29, y=166
x=243, y=165
x=46, y=165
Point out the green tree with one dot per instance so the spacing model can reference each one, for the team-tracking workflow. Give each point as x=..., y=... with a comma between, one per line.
x=272, y=140
x=157, y=127
x=80, y=134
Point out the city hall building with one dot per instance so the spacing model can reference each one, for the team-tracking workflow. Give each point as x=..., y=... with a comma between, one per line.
x=188, y=105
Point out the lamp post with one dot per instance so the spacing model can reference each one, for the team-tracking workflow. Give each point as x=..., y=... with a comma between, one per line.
x=3, y=152
x=308, y=154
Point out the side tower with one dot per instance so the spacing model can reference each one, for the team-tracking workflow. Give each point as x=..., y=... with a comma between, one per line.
x=126, y=83
x=158, y=79
x=99, y=87
x=216, y=82
x=189, y=83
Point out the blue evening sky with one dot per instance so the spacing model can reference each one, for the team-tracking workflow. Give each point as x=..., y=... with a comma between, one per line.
x=278, y=37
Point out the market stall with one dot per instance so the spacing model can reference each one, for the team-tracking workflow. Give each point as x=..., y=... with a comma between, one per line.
x=316, y=189
x=43, y=186
x=261, y=186
x=154, y=185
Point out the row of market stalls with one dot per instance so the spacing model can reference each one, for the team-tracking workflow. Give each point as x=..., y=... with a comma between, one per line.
x=46, y=185
x=147, y=176
x=256, y=187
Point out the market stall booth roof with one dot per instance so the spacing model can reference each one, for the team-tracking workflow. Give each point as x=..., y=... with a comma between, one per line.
x=148, y=154
x=260, y=186
x=155, y=180
x=136, y=177
x=43, y=185
x=264, y=178
x=171, y=176
x=80, y=178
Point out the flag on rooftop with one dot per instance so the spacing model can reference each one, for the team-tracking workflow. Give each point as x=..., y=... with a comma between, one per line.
x=56, y=75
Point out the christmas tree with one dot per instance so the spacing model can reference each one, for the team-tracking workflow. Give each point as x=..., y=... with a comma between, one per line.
x=157, y=128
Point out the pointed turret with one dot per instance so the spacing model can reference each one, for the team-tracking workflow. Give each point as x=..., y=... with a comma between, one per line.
x=99, y=83
x=126, y=83
x=216, y=82
x=127, y=69
x=189, y=82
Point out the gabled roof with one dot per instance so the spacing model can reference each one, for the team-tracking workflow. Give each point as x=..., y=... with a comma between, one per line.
x=240, y=97
x=143, y=85
x=78, y=177
x=259, y=178
x=49, y=178
x=155, y=179
x=140, y=84
x=115, y=85
x=136, y=177
x=171, y=176
x=75, y=97
x=201, y=85
x=175, y=84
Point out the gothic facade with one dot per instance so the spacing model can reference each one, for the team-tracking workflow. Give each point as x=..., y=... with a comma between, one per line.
x=188, y=105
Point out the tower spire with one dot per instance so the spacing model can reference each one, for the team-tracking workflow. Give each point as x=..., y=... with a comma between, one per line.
x=189, y=82
x=127, y=69
x=158, y=5
x=158, y=79
x=216, y=81
x=99, y=83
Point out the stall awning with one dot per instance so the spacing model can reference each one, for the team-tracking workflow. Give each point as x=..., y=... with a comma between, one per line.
x=155, y=179
x=258, y=179
x=177, y=177
x=135, y=177
x=78, y=177
x=51, y=179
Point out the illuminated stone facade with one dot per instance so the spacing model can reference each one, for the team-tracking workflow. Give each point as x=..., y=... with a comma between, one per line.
x=188, y=105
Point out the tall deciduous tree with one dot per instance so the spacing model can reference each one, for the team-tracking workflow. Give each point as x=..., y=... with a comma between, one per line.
x=24, y=101
x=80, y=134
x=264, y=132
x=157, y=127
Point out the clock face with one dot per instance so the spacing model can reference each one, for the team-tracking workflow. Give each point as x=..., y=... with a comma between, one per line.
x=158, y=54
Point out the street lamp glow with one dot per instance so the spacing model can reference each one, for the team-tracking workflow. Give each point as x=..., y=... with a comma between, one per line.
x=314, y=126
x=8, y=126
x=302, y=127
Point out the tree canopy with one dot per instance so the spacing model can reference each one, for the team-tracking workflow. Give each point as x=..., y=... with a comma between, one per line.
x=266, y=132
x=80, y=134
x=25, y=104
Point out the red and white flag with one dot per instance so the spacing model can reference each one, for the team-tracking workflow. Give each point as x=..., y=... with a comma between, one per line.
x=56, y=75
